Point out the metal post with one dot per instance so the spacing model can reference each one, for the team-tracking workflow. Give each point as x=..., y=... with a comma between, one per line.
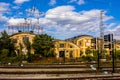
x=112, y=50
x=98, y=51
x=98, y=60
x=64, y=55
x=113, y=61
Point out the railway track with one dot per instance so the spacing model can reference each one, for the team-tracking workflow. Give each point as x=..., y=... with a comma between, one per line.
x=55, y=72
x=81, y=77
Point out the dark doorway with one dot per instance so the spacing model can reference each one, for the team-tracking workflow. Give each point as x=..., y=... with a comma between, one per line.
x=61, y=53
x=71, y=54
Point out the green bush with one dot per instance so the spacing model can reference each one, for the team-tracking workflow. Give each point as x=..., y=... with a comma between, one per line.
x=30, y=57
x=87, y=58
x=108, y=57
x=3, y=56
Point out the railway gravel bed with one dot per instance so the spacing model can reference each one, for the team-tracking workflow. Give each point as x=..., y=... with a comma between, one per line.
x=56, y=72
x=60, y=77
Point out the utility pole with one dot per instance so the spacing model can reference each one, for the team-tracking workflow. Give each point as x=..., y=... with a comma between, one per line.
x=101, y=47
x=101, y=35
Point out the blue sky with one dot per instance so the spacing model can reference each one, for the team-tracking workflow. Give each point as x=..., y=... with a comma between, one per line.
x=63, y=18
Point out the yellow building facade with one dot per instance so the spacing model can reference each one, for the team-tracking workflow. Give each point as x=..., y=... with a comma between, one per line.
x=63, y=48
x=70, y=48
x=73, y=47
x=19, y=39
x=66, y=49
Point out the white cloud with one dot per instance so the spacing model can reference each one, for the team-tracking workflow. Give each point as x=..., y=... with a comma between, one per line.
x=52, y=2
x=35, y=13
x=3, y=6
x=71, y=1
x=66, y=22
x=115, y=30
x=16, y=7
x=3, y=18
x=15, y=21
x=74, y=23
x=20, y=1
x=80, y=2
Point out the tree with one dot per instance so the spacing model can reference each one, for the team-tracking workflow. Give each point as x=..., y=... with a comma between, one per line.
x=28, y=47
x=6, y=43
x=43, y=45
x=19, y=51
x=88, y=51
x=95, y=54
x=4, y=55
x=4, y=40
x=7, y=53
x=81, y=53
x=88, y=56
x=117, y=54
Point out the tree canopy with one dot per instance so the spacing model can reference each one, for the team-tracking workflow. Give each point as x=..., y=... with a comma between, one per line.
x=6, y=43
x=7, y=53
x=43, y=45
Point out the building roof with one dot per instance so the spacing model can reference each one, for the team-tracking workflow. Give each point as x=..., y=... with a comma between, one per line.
x=22, y=33
x=77, y=37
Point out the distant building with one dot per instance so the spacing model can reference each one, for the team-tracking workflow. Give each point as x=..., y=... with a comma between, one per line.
x=73, y=47
x=69, y=48
x=19, y=38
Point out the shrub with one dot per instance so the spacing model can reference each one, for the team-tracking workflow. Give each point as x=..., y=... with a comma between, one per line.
x=87, y=58
x=108, y=57
x=30, y=57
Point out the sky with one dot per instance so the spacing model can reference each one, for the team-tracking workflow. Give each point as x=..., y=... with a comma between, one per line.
x=63, y=19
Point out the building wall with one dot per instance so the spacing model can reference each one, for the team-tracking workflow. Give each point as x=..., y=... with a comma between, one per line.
x=19, y=38
x=68, y=48
x=84, y=43
x=62, y=48
x=80, y=45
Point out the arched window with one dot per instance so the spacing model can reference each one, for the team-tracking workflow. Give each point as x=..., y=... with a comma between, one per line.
x=25, y=38
x=62, y=45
